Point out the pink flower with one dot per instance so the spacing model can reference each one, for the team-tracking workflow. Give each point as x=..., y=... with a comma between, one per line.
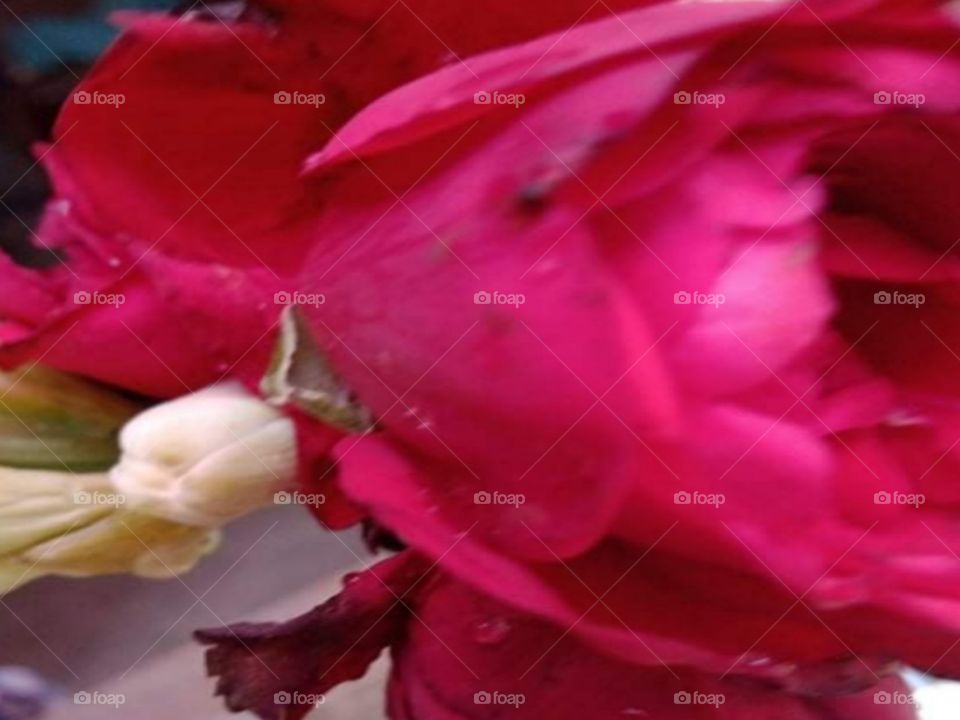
x=180, y=212
x=656, y=317
x=654, y=313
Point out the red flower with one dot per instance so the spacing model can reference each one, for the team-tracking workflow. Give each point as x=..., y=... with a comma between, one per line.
x=177, y=164
x=653, y=316
x=660, y=336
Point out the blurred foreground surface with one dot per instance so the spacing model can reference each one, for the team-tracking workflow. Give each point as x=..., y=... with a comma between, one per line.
x=127, y=641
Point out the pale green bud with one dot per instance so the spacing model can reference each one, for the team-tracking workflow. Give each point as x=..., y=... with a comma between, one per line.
x=57, y=421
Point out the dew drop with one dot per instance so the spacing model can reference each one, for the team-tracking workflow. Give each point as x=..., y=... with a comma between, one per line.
x=425, y=424
x=545, y=267
x=62, y=207
x=905, y=418
x=492, y=631
x=350, y=578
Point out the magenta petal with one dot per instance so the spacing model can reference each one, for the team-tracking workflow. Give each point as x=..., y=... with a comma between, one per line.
x=471, y=658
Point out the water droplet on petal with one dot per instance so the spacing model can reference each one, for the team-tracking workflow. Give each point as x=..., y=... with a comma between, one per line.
x=492, y=631
x=905, y=418
x=62, y=206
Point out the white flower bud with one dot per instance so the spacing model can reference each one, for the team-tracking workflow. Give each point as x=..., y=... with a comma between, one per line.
x=75, y=524
x=206, y=458
x=36, y=505
x=186, y=467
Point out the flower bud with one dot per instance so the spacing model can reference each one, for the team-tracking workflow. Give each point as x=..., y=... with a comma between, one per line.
x=123, y=542
x=36, y=505
x=69, y=524
x=186, y=467
x=206, y=458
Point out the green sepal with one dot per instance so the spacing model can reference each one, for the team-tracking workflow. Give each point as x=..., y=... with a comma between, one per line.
x=49, y=420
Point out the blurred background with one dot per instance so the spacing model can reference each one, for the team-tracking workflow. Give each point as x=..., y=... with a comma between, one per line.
x=45, y=46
